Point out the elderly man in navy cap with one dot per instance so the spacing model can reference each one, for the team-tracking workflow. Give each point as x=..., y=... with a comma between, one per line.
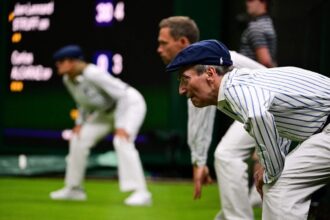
x=276, y=106
x=106, y=104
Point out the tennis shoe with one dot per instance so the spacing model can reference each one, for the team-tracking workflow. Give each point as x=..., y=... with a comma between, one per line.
x=67, y=193
x=139, y=198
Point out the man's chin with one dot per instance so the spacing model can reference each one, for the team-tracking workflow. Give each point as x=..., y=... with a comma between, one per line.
x=198, y=104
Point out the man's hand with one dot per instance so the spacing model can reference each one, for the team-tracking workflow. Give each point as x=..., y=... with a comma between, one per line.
x=258, y=177
x=119, y=132
x=201, y=176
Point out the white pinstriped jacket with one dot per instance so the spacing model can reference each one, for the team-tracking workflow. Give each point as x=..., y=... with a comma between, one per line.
x=276, y=105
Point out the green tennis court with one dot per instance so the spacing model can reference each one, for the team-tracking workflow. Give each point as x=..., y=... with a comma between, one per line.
x=27, y=198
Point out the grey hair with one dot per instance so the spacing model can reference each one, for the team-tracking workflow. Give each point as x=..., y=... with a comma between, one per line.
x=220, y=70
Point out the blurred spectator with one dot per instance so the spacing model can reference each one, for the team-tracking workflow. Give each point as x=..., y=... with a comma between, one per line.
x=258, y=41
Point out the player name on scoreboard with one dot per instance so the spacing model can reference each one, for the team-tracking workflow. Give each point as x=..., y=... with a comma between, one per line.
x=28, y=17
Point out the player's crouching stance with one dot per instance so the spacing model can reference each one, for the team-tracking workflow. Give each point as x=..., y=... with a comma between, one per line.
x=106, y=104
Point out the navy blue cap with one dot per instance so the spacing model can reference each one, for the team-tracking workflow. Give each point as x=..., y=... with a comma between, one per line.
x=69, y=51
x=207, y=52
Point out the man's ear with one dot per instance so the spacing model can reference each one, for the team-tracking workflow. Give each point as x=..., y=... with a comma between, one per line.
x=211, y=72
x=184, y=41
x=211, y=76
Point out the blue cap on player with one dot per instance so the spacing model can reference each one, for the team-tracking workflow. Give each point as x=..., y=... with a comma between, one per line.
x=207, y=52
x=69, y=51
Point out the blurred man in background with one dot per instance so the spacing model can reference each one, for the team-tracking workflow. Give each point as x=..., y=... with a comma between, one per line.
x=258, y=41
x=105, y=104
x=235, y=147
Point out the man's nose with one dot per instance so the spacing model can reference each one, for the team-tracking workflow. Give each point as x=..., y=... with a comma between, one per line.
x=159, y=49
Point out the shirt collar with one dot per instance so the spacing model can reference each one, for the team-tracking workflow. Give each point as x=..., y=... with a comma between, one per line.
x=221, y=95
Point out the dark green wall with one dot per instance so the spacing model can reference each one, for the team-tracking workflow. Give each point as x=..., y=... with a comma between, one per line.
x=3, y=6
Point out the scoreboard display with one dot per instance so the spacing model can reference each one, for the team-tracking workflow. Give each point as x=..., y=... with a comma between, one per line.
x=120, y=36
x=117, y=35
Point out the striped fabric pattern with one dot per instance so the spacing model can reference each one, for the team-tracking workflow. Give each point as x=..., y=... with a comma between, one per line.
x=276, y=105
x=259, y=33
